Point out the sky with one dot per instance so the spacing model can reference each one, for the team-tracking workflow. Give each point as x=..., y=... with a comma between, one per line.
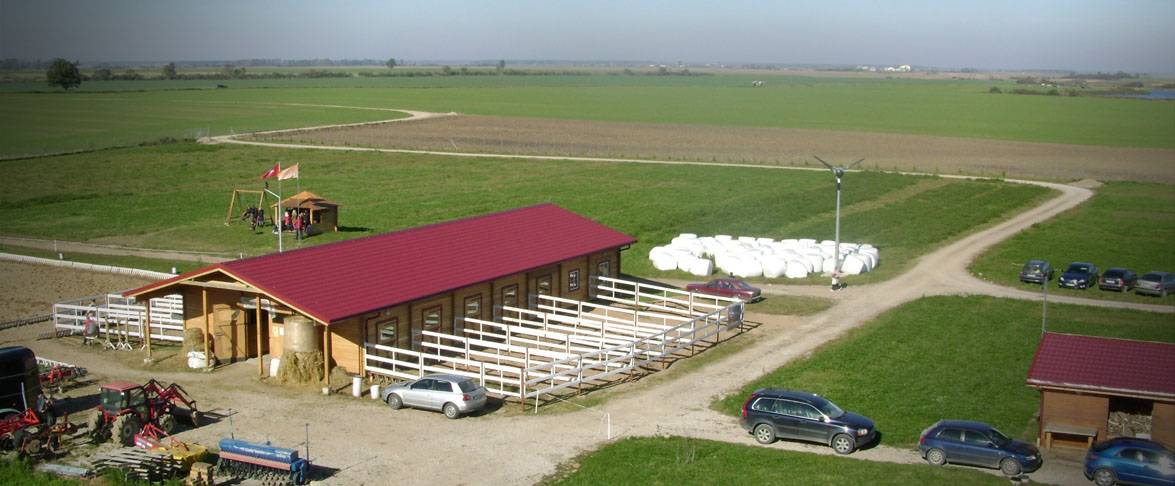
x=1082, y=35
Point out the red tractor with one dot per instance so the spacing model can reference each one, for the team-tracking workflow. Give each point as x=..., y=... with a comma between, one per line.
x=125, y=407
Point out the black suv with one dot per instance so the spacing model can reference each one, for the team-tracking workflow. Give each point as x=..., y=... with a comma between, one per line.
x=774, y=413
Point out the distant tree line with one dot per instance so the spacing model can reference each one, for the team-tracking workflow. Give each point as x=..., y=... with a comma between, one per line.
x=1105, y=76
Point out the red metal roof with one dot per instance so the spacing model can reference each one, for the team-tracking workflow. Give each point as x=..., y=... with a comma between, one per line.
x=1104, y=364
x=339, y=280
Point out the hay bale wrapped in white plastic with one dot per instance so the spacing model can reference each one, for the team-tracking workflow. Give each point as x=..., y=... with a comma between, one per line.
x=684, y=262
x=774, y=267
x=852, y=265
x=790, y=243
x=722, y=237
x=701, y=267
x=870, y=260
x=764, y=241
x=796, y=269
x=688, y=236
x=665, y=262
x=657, y=250
x=806, y=242
x=815, y=261
x=828, y=265
x=750, y=268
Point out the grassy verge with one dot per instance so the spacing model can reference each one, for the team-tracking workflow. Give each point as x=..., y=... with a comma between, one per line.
x=1125, y=224
x=677, y=460
x=22, y=473
x=114, y=260
x=791, y=305
x=176, y=196
x=946, y=357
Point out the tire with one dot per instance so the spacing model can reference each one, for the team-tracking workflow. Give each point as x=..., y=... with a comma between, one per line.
x=1010, y=467
x=764, y=434
x=450, y=410
x=844, y=444
x=99, y=430
x=125, y=427
x=18, y=441
x=395, y=402
x=1104, y=477
x=936, y=457
x=167, y=423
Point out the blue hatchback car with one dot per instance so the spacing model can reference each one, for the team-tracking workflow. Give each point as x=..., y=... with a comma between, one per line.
x=1130, y=461
x=977, y=444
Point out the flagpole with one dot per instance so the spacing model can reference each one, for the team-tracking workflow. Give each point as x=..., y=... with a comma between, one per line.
x=281, y=210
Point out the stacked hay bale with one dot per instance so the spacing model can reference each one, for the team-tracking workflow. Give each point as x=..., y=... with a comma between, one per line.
x=748, y=256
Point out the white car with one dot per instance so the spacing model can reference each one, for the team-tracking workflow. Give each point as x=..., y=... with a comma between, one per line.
x=451, y=394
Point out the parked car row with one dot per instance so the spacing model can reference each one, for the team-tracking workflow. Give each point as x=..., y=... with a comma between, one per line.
x=770, y=414
x=1081, y=275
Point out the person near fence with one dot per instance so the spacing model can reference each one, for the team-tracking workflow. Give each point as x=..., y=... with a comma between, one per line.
x=298, y=227
x=90, y=324
x=286, y=220
x=306, y=223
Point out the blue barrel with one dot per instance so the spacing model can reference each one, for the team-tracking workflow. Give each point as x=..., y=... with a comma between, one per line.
x=259, y=451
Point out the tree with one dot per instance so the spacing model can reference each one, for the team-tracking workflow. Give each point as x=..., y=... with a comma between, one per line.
x=501, y=65
x=103, y=74
x=391, y=63
x=448, y=71
x=64, y=74
x=169, y=71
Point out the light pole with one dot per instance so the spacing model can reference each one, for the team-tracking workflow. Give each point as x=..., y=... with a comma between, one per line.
x=838, y=172
x=1044, y=310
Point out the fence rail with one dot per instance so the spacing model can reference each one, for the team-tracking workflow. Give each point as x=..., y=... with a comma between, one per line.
x=115, y=314
x=563, y=343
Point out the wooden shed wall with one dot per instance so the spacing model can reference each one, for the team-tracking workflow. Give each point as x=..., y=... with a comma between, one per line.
x=1072, y=409
x=1163, y=423
x=345, y=343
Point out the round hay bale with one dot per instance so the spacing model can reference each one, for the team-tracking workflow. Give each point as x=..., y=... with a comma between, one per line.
x=852, y=265
x=665, y=262
x=722, y=237
x=774, y=267
x=796, y=269
x=193, y=339
x=300, y=336
x=829, y=265
x=701, y=267
x=300, y=367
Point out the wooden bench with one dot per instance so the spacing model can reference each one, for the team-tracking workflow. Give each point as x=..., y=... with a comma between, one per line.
x=1090, y=433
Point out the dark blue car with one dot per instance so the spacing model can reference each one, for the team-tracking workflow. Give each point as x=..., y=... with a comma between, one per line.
x=775, y=413
x=1130, y=461
x=1079, y=275
x=977, y=444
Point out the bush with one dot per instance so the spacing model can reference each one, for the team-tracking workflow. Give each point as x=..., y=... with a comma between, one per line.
x=995, y=90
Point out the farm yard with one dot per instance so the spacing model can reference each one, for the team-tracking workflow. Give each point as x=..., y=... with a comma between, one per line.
x=173, y=196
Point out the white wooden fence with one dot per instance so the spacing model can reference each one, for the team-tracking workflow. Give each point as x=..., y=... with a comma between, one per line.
x=563, y=343
x=117, y=314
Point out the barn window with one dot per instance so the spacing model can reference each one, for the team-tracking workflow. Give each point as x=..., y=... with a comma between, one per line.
x=432, y=318
x=573, y=280
x=473, y=306
x=510, y=295
x=387, y=331
x=543, y=285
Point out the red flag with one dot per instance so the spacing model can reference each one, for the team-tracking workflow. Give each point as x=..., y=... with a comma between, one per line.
x=272, y=172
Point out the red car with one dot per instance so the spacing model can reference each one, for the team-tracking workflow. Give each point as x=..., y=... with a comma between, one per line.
x=727, y=287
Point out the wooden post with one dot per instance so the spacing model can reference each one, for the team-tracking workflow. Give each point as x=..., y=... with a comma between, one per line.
x=207, y=331
x=326, y=345
x=260, y=356
x=146, y=329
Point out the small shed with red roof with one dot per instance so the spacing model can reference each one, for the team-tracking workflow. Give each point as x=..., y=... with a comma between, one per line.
x=387, y=289
x=1084, y=380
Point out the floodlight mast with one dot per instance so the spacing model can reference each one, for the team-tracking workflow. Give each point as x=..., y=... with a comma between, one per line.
x=839, y=173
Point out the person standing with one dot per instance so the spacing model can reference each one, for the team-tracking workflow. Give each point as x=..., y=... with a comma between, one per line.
x=298, y=228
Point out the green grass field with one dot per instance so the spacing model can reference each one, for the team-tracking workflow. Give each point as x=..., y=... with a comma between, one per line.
x=115, y=113
x=176, y=197
x=946, y=357
x=1125, y=224
x=677, y=460
x=98, y=259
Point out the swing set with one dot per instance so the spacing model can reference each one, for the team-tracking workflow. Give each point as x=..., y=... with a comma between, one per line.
x=238, y=201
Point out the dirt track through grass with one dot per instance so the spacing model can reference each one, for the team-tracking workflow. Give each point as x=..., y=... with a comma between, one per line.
x=782, y=146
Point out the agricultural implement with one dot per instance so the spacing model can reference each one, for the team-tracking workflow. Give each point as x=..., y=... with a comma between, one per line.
x=56, y=374
x=125, y=407
x=32, y=433
x=271, y=465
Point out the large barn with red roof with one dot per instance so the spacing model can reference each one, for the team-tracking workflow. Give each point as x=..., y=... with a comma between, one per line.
x=1084, y=379
x=389, y=288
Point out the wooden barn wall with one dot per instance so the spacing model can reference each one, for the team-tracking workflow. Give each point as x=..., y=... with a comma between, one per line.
x=346, y=342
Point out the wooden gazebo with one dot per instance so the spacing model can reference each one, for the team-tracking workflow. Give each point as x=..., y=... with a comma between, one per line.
x=323, y=213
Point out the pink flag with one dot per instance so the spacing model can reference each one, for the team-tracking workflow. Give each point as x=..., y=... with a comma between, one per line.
x=290, y=172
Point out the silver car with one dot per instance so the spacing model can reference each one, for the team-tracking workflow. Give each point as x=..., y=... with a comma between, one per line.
x=454, y=395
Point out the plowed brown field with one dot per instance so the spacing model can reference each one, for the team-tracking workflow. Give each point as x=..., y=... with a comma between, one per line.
x=784, y=146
